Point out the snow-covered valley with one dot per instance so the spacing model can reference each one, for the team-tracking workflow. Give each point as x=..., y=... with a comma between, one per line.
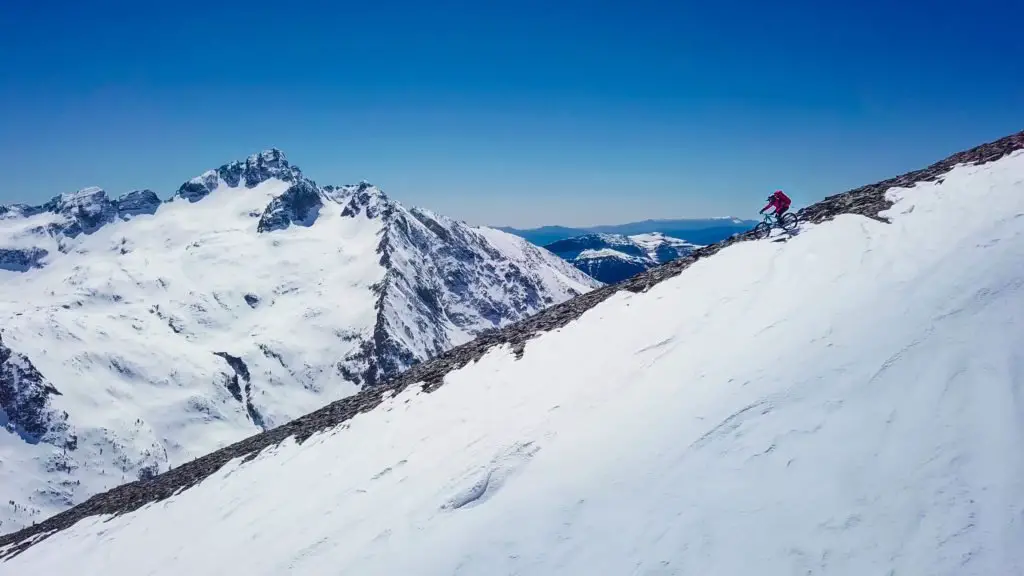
x=137, y=335
x=844, y=401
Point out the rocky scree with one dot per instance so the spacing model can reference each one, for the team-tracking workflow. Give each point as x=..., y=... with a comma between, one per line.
x=866, y=201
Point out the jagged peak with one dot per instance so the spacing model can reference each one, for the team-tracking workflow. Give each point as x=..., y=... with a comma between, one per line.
x=81, y=198
x=364, y=186
x=361, y=198
x=137, y=193
x=253, y=171
x=87, y=192
x=205, y=176
x=268, y=155
x=89, y=199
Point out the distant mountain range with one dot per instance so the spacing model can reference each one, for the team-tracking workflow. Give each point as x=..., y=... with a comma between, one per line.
x=693, y=230
x=611, y=258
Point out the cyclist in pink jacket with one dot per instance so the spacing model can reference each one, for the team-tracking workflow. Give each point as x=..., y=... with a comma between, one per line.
x=779, y=201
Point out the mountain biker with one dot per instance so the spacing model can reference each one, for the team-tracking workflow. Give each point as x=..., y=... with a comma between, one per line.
x=779, y=201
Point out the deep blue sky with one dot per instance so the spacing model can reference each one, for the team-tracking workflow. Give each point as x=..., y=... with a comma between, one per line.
x=520, y=113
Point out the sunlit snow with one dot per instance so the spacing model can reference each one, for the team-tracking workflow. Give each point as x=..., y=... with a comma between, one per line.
x=847, y=402
x=127, y=323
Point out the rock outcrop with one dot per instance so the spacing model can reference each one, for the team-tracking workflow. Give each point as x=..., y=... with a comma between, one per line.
x=21, y=259
x=137, y=202
x=25, y=402
x=299, y=205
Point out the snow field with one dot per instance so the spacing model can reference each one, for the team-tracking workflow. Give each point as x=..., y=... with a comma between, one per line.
x=847, y=402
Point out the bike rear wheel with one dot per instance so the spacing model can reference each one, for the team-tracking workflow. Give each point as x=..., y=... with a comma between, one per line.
x=788, y=221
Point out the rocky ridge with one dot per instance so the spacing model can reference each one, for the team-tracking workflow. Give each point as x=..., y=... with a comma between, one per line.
x=866, y=201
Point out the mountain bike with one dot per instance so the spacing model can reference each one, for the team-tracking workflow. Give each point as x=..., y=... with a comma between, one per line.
x=788, y=222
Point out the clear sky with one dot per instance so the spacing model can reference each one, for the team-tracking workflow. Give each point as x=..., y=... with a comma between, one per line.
x=522, y=113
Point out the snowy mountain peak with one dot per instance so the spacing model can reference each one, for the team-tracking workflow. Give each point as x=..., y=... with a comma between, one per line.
x=252, y=297
x=91, y=199
x=268, y=157
x=87, y=195
x=363, y=198
x=267, y=164
x=255, y=170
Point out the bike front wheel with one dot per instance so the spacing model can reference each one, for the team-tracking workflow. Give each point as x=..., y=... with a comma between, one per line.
x=762, y=230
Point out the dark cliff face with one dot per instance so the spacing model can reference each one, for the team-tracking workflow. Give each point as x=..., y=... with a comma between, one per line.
x=299, y=205
x=196, y=189
x=21, y=259
x=137, y=202
x=234, y=385
x=611, y=269
x=25, y=402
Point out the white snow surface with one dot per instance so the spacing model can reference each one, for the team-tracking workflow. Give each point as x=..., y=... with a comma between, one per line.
x=652, y=241
x=592, y=254
x=125, y=323
x=847, y=402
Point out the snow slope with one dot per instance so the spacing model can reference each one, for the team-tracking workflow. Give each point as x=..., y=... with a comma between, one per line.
x=845, y=402
x=137, y=335
x=611, y=258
